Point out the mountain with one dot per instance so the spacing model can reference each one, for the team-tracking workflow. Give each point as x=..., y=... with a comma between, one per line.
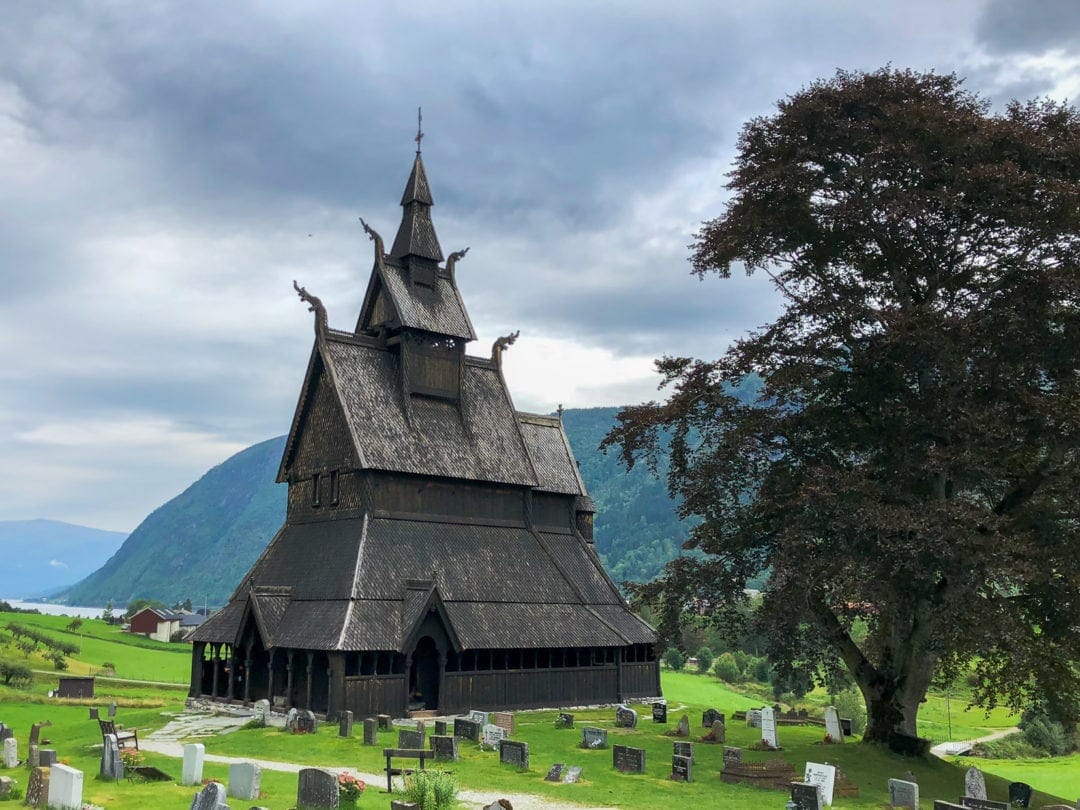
x=42, y=556
x=198, y=545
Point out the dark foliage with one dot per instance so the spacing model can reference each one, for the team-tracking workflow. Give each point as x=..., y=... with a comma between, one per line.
x=913, y=458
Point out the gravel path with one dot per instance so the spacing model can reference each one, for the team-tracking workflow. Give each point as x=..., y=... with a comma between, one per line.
x=166, y=741
x=957, y=747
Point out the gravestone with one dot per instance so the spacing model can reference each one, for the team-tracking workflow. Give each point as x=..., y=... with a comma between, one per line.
x=409, y=739
x=316, y=788
x=573, y=774
x=718, y=733
x=564, y=720
x=211, y=797
x=903, y=794
x=683, y=729
x=805, y=796
x=421, y=728
x=845, y=726
x=941, y=804
x=37, y=788
x=832, y=724
x=710, y=716
x=6, y=784
x=245, y=779
x=33, y=755
x=345, y=723
x=1020, y=794
x=625, y=717
x=491, y=735
x=385, y=723
x=479, y=718
x=514, y=753
x=5, y=732
x=11, y=752
x=768, y=727
x=627, y=759
x=440, y=728
x=445, y=747
x=466, y=729
x=554, y=773
x=191, y=770
x=35, y=732
x=982, y=804
x=592, y=737
x=95, y=714
x=65, y=787
x=682, y=769
x=504, y=720
x=262, y=712
x=112, y=767
x=371, y=731
x=753, y=718
x=974, y=784
x=292, y=717
x=112, y=709
x=659, y=712
x=732, y=755
x=824, y=776
x=307, y=723
x=682, y=749
x=46, y=757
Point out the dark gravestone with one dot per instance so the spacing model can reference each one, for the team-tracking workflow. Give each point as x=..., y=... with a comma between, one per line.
x=440, y=728
x=682, y=769
x=409, y=739
x=466, y=729
x=211, y=797
x=709, y=717
x=659, y=712
x=445, y=747
x=592, y=737
x=385, y=723
x=845, y=726
x=5, y=732
x=316, y=788
x=983, y=804
x=806, y=796
x=732, y=755
x=564, y=720
x=941, y=804
x=47, y=757
x=307, y=723
x=683, y=749
x=573, y=774
x=345, y=721
x=514, y=753
x=371, y=731
x=1020, y=794
x=627, y=759
x=95, y=714
x=625, y=717
x=554, y=773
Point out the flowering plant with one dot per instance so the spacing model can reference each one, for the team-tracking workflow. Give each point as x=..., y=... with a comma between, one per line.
x=828, y=739
x=131, y=758
x=349, y=786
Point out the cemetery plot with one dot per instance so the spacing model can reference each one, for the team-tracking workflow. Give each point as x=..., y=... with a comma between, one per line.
x=627, y=759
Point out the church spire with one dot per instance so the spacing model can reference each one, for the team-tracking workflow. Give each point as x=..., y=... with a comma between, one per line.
x=416, y=234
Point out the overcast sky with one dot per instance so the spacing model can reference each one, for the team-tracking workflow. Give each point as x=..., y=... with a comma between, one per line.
x=166, y=170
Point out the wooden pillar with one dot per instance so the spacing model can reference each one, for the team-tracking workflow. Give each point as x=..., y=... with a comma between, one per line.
x=198, y=650
x=442, y=680
x=310, y=665
x=270, y=677
x=247, y=673
x=618, y=674
x=232, y=672
x=288, y=677
x=215, y=663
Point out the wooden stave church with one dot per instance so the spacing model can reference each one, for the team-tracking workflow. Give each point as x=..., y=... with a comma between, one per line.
x=403, y=448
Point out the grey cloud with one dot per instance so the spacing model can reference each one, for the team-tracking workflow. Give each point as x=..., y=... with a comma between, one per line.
x=1029, y=26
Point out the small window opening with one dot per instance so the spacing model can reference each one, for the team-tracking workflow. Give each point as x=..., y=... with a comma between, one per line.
x=316, y=489
x=335, y=489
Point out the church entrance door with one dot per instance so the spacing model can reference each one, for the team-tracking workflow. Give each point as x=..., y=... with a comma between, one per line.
x=424, y=675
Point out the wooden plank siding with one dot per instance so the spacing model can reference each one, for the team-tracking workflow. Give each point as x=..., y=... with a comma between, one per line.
x=528, y=688
x=368, y=695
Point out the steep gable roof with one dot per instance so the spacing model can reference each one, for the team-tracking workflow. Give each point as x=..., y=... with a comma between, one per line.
x=550, y=453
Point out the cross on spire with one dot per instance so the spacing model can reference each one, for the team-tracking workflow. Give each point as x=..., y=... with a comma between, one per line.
x=419, y=132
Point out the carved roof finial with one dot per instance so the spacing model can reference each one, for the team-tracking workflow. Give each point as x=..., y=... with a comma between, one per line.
x=373, y=235
x=559, y=411
x=453, y=259
x=314, y=305
x=502, y=344
x=419, y=132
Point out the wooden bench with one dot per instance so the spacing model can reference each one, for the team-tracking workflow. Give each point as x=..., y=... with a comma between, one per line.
x=403, y=753
x=123, y=738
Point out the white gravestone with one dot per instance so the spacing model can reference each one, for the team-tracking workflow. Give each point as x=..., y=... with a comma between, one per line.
x=262, y=712
x=194, y=754
x=492, y=736
x=245, y=779
x=65, y=787
x=11, y=752
x=824, y=776
x=768, y=727
x=903, y=794
x=832, y=724
x=974, y=784
x=478, y=717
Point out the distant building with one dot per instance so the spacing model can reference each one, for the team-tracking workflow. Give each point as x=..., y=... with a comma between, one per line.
x=162, y=625
x=437, y=552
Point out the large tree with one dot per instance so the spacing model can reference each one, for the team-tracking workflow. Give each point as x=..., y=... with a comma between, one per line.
x=912, y=460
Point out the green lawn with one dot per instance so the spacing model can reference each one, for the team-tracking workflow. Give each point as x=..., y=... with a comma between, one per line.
x=135, y=657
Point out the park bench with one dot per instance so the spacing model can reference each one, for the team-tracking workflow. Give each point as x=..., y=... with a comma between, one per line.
x=419, y=754
x=123, y=738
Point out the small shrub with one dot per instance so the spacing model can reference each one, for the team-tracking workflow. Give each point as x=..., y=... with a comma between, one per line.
x=758, y=670
x=1012, y=746
x=431, y=790
x=704, y=659
x=1046, y=735
x=849, y=704
x=674, y=659
x=350, y=787
x=726, y=668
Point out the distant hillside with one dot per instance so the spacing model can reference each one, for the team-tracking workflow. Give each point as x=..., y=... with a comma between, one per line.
x=199, y=544
x=41, y=556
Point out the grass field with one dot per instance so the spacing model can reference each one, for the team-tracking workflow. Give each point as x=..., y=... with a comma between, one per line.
x=146, y=707
x=135, y=657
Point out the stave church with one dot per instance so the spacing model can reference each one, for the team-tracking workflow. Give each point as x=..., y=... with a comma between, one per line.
x=437, y=553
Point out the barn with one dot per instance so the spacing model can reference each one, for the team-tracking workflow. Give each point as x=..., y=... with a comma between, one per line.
x=437, y=552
